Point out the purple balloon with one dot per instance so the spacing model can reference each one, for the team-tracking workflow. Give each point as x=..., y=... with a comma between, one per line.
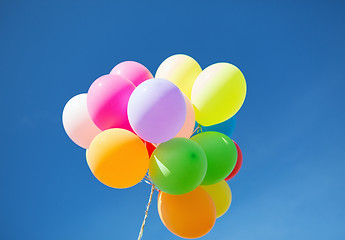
x=156, y=110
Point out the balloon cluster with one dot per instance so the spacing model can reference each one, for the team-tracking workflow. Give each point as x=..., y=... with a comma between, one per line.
x=131, y=123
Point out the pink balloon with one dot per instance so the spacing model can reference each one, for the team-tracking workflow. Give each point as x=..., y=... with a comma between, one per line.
x=188, y=126
x=107, y=102
x=133, y=71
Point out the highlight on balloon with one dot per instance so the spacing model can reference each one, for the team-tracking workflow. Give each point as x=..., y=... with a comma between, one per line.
x=171, y=130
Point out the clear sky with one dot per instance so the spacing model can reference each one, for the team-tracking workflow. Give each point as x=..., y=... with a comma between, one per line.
x=290, y=128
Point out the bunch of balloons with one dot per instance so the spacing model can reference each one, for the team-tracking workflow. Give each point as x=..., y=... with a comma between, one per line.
x=131, y=123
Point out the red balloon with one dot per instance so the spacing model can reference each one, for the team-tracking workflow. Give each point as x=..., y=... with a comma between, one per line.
x=150, y=148
x=238, y=163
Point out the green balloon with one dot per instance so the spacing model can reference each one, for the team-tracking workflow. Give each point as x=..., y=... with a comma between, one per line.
x=221, y=155
x=178, y=166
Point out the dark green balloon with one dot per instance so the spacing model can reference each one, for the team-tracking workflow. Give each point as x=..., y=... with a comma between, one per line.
x=221, y=155
x=178, y=166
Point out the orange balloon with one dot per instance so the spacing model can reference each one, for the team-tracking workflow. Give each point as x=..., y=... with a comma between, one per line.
x=118, y=158
x=190, y=215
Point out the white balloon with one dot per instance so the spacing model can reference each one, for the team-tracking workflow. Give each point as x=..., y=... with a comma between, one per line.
x=77, y=121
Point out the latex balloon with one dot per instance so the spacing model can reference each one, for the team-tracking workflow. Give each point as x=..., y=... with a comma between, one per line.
x=190, y=215
x=221, y=196
x=226, y=127
x=133, y=71
x=118, y=158
x=178, y=166
x=188, y=126
x=150, y=148
x=156, y=110
x=77, y=122
x=221, y=155
x=218, y=93
x=107, y=101
x=238, y=163
x=180, y=69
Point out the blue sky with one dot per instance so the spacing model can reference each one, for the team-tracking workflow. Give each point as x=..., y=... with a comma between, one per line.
x=291, y=127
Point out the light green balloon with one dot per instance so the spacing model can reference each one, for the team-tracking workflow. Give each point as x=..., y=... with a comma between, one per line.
x=178, y=166
x=221, y=155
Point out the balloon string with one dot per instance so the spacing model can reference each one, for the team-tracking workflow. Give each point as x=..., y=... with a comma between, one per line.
x=200, y=128
x=196, y=130
x=146, y=213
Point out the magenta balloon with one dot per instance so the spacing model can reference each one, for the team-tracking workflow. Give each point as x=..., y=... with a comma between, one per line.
x=133, y=71
x=107, y=102
x=157, y=110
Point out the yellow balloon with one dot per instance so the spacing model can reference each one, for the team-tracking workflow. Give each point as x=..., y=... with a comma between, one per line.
x=218, y=93
x=118, y=158
x=180, y=69
x=221, y=196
